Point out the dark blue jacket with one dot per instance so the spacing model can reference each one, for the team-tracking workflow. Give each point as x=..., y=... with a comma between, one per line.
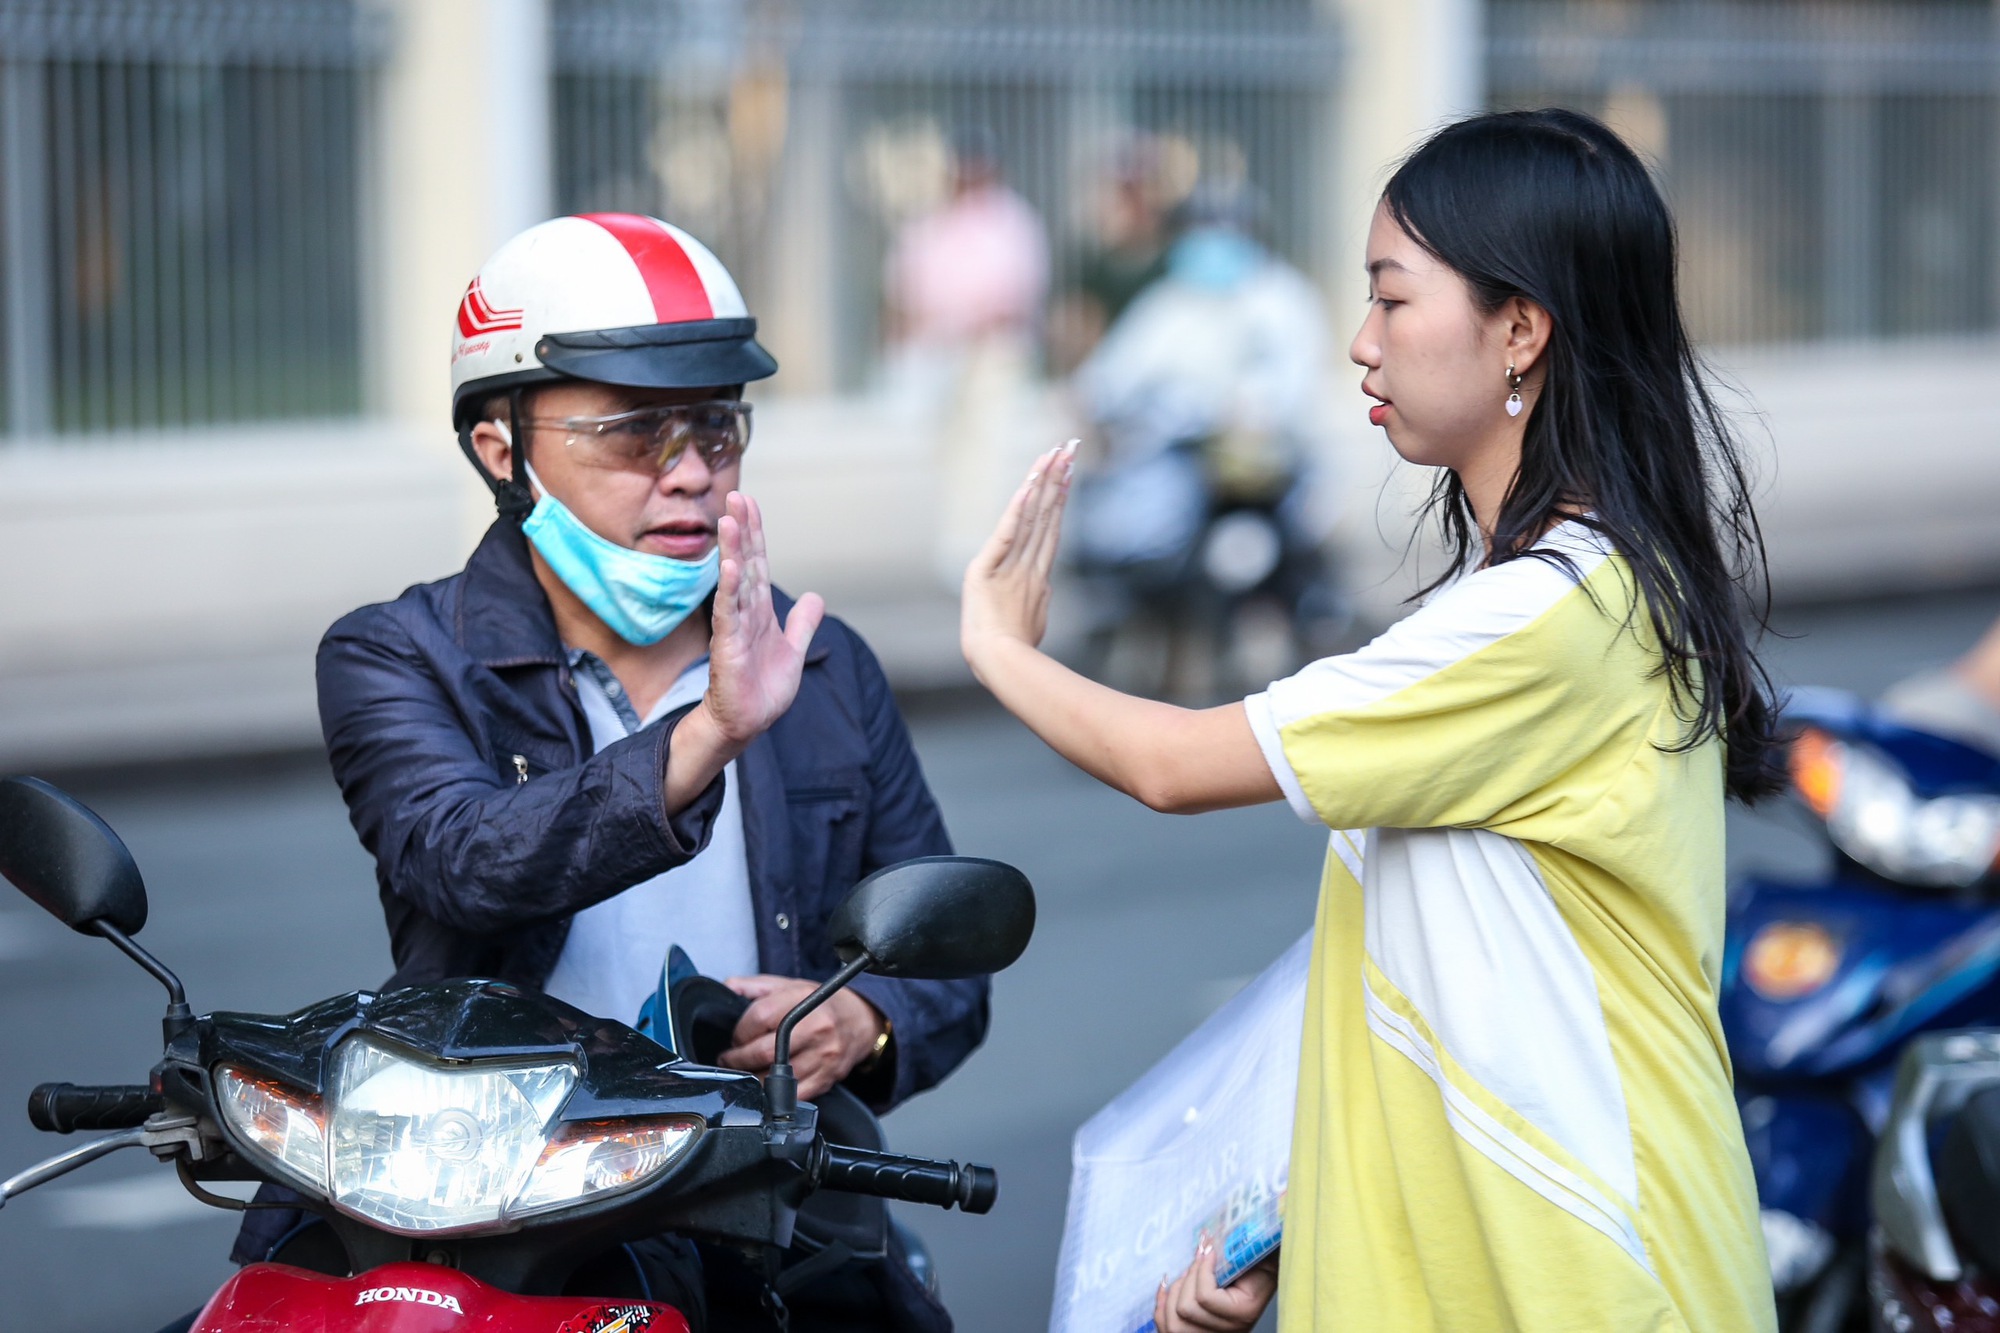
x=432, y=706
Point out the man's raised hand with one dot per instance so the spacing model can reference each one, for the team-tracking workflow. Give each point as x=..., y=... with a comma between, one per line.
x=754, y=664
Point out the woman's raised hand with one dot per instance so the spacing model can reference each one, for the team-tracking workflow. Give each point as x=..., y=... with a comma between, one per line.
x=1006, y=594
x=753, y=663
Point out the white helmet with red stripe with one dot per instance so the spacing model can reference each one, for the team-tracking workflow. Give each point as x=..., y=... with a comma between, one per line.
x=612, y=297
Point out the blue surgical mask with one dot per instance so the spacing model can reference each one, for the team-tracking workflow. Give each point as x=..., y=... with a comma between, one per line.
x=1216, y=259
x=642, y=597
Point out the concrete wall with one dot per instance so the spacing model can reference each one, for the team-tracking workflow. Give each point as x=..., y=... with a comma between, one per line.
x=1877, y=470
x=162, y=596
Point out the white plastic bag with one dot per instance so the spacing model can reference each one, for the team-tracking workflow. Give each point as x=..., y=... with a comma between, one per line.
x=1202, y=1142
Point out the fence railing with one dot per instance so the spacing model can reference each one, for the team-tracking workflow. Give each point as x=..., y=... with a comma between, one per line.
x=1832, y=165
x=712, y=113
x=180, y=210
x=183, y=182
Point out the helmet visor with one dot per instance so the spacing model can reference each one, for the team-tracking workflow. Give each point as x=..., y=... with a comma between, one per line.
x=694, y=354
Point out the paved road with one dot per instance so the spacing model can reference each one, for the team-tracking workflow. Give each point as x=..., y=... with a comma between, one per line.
x=263, y=902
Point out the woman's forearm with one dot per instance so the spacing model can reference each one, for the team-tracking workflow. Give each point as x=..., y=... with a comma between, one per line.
x=1176, y=760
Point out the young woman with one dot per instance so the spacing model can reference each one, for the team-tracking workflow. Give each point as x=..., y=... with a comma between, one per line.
x=1514, y=1100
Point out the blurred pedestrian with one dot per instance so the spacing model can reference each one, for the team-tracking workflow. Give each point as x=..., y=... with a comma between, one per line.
x=561, y=756
x=965, y=287
x=1515, y=1106
x=1126, y=253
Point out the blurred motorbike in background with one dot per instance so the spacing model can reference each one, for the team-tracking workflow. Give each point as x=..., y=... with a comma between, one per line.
x=482, y=1155
x=1196, y=541
x=1827, y=980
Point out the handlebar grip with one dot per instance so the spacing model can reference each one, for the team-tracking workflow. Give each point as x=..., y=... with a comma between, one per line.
x=971, y=1187
x=61, y=1108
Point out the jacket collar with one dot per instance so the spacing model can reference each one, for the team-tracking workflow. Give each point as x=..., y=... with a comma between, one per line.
x=504, y=618
x=503, y=615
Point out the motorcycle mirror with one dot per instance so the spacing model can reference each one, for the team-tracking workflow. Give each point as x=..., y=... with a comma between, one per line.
x=57, y=851
x=937, y=918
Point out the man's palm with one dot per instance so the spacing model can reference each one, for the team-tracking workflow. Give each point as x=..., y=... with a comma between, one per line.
x=754, y=663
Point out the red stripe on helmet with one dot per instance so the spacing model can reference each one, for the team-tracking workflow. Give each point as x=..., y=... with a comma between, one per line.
x=476, y=315
x=671, y=279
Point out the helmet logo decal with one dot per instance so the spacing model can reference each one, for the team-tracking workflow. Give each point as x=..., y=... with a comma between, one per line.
x=476, y=314
x=671, y=277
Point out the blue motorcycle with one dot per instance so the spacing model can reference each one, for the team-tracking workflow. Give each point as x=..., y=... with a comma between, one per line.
x=1825, y=981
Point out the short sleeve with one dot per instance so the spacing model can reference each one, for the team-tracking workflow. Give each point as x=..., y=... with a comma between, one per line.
x=1264, y=724
x=1486, y=705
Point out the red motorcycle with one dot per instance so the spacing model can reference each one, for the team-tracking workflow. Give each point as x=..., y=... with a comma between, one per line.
x=476, y=1149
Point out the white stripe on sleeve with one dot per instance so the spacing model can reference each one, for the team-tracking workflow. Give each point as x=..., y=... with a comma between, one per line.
x=1258, y=706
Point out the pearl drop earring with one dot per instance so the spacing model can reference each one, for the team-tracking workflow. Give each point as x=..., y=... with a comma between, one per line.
x=1513, y=398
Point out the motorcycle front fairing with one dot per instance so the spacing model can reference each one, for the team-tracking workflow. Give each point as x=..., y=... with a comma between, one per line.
x=1814, y=1050
x=1898, y=964
x=1933, y=765
x=741, y=1180
x=1810, y=1157
x=413, y=1298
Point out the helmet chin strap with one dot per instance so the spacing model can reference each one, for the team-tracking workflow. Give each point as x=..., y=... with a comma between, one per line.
x=511, y=495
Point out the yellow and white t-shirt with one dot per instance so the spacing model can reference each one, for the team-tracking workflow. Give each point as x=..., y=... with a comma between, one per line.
x=1514, y=1098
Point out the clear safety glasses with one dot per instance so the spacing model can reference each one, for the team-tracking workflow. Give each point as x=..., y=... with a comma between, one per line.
x=653, y=439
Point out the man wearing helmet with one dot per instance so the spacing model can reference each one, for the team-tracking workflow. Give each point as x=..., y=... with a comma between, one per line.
x=609, y=736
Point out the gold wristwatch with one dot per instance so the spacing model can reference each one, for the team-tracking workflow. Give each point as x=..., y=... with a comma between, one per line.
x=876, y=1052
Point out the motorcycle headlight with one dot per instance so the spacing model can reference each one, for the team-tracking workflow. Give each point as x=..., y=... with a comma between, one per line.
x=419, y=1148
x=1873, y=816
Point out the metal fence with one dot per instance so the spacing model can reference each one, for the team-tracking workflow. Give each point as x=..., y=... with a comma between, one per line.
x=183, y=182
x=1832, y=166
x=840, y=115
x=180, y=235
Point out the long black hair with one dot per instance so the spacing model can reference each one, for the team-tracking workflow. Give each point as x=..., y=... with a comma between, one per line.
x=1624, y=437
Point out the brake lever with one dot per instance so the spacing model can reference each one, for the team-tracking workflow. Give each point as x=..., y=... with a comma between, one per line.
x=163, y=1135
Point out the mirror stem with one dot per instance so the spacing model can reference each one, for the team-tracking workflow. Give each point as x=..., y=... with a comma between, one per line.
x=781, y=1089
x=179, y=1017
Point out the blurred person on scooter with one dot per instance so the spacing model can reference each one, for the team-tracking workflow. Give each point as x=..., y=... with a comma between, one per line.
x=609, y=735
x=1205, y=395
x=1515, y=1105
